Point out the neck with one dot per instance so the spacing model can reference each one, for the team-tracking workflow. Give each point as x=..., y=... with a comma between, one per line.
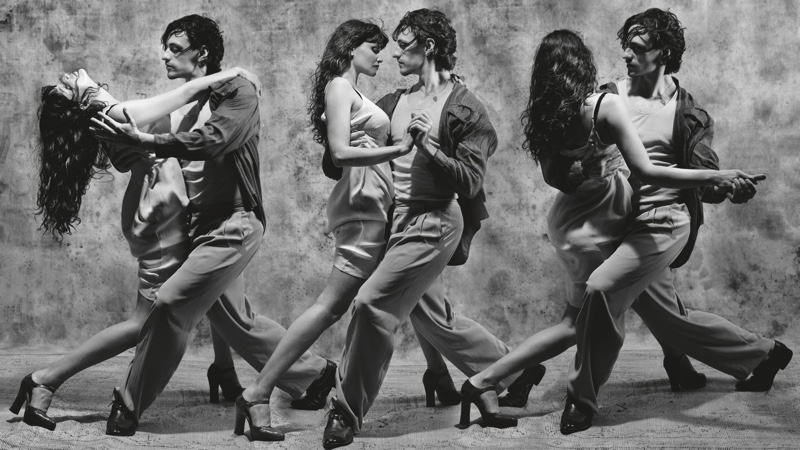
x=653, y=84
x=351, y=75
x=199, y=72
x=431, y=80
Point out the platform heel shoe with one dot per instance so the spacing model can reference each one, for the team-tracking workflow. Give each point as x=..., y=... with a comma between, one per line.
x=256, y=433
x=317, y=393
x=764, y=374
x=681, y=373
x=517, y=393
x=472, y=395
x=34, y=417
x=225, y=379
x=440, y=385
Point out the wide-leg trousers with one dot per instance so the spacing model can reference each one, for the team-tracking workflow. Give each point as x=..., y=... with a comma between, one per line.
x=639, y=267
x=221, y=249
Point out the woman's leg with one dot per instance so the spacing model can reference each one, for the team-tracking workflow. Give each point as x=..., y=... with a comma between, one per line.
x=107, y=343
x=331, y=304
x=538, y=348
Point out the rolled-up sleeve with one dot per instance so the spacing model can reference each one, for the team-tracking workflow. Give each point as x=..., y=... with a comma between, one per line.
x=233, y=122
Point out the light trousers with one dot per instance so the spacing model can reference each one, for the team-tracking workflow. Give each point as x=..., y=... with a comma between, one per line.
x=639, y=267
x=210, y=282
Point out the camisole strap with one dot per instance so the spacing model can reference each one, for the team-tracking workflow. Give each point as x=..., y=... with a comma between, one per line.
x=597, y=108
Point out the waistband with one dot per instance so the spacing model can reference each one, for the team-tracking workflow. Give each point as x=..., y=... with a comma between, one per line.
x=423, y=205
x=217, y=209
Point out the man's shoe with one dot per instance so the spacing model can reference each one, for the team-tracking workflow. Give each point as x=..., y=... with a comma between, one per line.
x=338, y=431
x=576, y=417
x=517, y=393
x=317, y=392
x=122, y=421
x=681, y=373
x=764, y=374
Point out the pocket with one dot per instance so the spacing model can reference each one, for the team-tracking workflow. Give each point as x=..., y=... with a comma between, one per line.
x=429, y=226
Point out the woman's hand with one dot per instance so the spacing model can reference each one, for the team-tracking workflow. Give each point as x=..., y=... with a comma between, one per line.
x=252, y=78
x=420, y=128
x=362, y=139
x=115, y=133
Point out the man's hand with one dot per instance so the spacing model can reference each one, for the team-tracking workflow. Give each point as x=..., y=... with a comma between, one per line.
x=743, y=190
x=362, y=139
x=420, y=128
x=603, y=165
x=124, y=135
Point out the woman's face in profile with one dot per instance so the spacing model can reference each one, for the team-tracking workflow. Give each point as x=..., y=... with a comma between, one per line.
x=73, y=85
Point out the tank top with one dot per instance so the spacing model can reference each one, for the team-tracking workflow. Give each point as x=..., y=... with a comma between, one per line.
x=363, y=193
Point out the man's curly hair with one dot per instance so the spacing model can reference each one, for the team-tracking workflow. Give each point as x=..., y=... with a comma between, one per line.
x=665, y=31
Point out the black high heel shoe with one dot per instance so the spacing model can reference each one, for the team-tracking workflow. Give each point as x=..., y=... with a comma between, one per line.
x=256, y=433
x=34, y=417
x=517, y=393
x=764, y=374
x=681, y=373
x=225, y=379
x=441, y=385
x=472, y=395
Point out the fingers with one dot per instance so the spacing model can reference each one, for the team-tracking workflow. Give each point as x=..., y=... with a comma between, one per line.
x=128, y=117
x=101, y=126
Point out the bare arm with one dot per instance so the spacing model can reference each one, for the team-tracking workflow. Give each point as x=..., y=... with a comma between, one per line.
x=613, y=117
x=339, y=100
x=146, y=110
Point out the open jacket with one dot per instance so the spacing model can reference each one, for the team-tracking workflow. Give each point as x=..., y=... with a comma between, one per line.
x=233, y=131
x=693, y=133
x=466, y=140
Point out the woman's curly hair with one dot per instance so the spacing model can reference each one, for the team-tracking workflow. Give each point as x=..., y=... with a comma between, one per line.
x=335, y=60
x=563, y=75
x=70, y=157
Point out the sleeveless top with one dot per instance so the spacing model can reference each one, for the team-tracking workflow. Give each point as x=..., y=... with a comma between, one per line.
x=363, y=193
x=585, y=227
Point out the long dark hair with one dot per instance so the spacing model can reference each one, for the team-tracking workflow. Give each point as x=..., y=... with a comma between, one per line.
x=563, y=75
x=335, y=60
x=70, y=157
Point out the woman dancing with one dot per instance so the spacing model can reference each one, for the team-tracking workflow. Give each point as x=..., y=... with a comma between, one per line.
x=564, y=119
x=154, y=212
x=357, y=207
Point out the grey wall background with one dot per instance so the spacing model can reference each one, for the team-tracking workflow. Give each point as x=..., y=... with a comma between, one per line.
x=741, y=63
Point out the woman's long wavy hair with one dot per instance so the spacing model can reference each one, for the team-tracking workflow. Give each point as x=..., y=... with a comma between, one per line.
x=335, y=61
x=563, y=75
x=70, y=157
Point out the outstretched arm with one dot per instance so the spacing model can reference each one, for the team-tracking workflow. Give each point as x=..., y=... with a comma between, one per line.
x=146, y=110
x=339, y=99
x=614, y=119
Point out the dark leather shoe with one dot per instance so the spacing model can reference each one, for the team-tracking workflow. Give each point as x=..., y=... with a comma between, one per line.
x=576, y=417
x=338, y=431
x=317, y=392
x=121, y=421
x=225, y=379
x=764, y=374
x=440, y=384
x=517, y=393
x=681, y=373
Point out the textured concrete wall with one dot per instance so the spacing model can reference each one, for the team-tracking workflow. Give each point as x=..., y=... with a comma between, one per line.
x=740, y=63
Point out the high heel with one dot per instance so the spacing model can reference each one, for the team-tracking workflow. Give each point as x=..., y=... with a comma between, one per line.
x=256, y=433
x=317, y=393
x=681, y=374
x=472, y=395
x=517, y=393
x=441, y=385
x=225, y=379
x=34, y=417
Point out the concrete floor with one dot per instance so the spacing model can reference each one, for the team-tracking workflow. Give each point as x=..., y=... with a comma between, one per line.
x=637, y=411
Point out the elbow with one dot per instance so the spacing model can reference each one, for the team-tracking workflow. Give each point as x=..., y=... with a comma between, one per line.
x=336, y=159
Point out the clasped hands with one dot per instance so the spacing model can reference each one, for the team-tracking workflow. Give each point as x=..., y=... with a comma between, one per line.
x=417, y=133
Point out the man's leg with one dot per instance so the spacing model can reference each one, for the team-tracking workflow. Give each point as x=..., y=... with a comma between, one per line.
x=418, y=252
x=254, y=337
x=217, y=259
x=464, y=342
x=655, y=239
x=701, y=335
